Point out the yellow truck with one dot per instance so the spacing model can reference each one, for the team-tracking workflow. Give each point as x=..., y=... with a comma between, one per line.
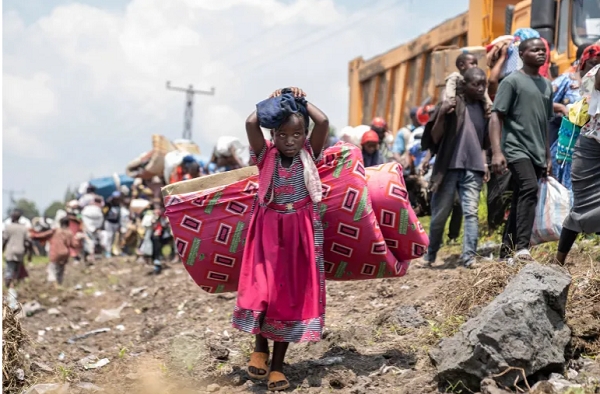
x=389, y=84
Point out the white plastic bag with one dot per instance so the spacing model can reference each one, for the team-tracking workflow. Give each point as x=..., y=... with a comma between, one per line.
x=554, y=204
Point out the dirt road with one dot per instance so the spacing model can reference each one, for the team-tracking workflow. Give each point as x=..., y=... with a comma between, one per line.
x=171, y=337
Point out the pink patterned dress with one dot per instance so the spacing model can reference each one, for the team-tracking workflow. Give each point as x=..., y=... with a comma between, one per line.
x=281, y=291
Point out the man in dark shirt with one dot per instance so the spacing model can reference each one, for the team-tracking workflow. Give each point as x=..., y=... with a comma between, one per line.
x=518, y=132
x=459, y=140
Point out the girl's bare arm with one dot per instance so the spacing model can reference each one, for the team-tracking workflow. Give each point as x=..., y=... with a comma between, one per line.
x=256, y=138
x=320, y=132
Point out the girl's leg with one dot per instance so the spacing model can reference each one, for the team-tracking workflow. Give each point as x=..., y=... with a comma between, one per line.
x=277, y=380
x=258, y=365
x=567, y=239
x=279, y=350
x=261, y=344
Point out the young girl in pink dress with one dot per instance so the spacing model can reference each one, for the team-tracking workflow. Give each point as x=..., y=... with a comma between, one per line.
x=281, y=291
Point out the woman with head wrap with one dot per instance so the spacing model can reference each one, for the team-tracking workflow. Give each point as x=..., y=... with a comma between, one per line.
x=585, y=213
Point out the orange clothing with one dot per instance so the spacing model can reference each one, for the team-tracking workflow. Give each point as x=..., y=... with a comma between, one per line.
x=60, y=244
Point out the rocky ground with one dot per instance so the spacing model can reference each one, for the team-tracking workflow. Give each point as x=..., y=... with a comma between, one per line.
x=163, y=335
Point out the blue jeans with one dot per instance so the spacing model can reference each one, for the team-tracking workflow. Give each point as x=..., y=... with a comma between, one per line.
x=561, y=171
x=468, y=184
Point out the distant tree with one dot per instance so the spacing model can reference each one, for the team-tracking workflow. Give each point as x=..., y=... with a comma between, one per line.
x=28, y=208
x=50, y=212
x=70, y=195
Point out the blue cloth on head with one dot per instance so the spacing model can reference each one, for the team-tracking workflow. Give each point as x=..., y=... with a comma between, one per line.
x=273, y=111
x=526, y=33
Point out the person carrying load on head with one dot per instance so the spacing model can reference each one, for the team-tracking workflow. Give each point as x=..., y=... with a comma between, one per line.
x=227, y=153
x=275, y=280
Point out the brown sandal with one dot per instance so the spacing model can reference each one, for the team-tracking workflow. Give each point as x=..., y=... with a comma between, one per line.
x=277, y=382
x=258, y=361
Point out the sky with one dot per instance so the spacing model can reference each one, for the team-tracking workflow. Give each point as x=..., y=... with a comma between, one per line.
x=83, y=82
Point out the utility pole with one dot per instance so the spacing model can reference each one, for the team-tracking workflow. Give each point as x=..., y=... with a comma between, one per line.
x=11, y=196
x=189, y=106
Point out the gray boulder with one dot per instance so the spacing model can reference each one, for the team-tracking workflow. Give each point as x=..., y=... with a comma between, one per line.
x=523, y=327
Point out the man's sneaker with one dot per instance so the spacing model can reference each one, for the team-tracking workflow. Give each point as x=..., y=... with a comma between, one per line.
x=469, y=263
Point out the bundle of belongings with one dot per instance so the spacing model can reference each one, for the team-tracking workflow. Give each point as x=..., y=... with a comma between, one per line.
x=210, y=216
x=163, y=159
x=513, y=62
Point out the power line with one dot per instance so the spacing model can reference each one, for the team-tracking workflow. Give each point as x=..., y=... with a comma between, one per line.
x=333, y=33
x=223, y=54
x=189, y=106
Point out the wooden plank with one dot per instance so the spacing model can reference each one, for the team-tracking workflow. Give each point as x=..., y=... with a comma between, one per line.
x=400, y=83
x=436, y=36
x=355, y=106
x=374, y=97
x=389, y=76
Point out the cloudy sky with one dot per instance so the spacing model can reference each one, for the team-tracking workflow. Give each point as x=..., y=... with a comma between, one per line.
x=84, y=81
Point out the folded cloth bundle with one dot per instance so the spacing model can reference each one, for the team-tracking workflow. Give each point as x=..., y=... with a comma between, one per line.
x=273, y=111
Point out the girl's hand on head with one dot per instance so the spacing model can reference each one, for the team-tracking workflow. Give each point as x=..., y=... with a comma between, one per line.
x=276, y=93
x=296, y=92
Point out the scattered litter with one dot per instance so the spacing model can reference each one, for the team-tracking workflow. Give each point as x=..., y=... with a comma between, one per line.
x=226, y=335
x=61, y=357
x=388, y=368
x=87, y=334
x=98, y=293
x=89, y=387
x=120, y=327
x=404, y=287
x=328, y=361
x=20, y=374
x=137, y=290
x=54, y=311
x=31, y=308
x=110, y=314
x=41, y=333
x=209, y=309
x=180, y=313
x=98, y=364
x=182, y=305
x=78, y=287
x=36, y=365
x=87, y=360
